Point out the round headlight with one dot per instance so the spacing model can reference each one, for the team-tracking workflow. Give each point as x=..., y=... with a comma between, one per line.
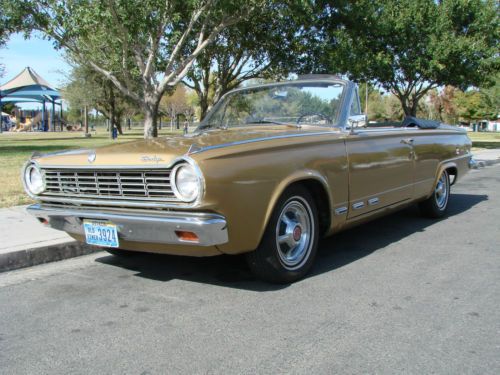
x=33, y=179
x=186, y=182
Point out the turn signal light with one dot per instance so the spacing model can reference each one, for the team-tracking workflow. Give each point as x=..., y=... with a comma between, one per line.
x=187, y=236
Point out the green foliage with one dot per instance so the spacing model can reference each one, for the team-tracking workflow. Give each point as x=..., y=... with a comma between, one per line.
x=263, y=45
x=474, y=105
x=144, y=47
x=87, y=88
x=410, y=46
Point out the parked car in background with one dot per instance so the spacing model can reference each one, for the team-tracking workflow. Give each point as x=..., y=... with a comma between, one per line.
x=271, y=170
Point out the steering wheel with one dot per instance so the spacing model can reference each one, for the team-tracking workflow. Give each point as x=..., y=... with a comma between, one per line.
x=323, y=116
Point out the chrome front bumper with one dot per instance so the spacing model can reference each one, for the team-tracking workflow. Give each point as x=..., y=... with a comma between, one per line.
x=211, y=229
x=473, y=164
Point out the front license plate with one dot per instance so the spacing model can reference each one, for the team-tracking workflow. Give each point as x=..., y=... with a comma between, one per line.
x=100, y=233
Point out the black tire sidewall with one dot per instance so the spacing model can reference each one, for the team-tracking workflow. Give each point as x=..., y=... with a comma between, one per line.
x=430, y=208
x=265, y=261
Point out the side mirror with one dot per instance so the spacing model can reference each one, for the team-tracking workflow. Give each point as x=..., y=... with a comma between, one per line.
x=357, y=121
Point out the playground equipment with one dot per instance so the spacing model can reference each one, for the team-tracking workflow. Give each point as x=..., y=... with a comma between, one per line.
x=30, y=87
x=29, y=124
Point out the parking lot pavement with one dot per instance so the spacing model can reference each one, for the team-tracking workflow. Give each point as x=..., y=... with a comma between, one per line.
x=401, y=294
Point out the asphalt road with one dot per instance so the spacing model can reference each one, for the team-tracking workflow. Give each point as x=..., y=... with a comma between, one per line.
x=399, y=295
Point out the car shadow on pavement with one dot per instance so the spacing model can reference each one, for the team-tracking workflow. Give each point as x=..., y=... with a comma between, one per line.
x=334, y=252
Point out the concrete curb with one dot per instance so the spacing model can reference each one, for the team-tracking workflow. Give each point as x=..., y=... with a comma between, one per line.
x=45, y=254
x=486, y=163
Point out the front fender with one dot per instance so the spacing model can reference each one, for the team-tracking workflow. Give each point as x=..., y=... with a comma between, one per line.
x=297, y=176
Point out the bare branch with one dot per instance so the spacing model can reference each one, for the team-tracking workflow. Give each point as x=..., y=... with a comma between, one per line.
x=175, y=52
x=174, y=77
x=125, y=90
x=124, y=37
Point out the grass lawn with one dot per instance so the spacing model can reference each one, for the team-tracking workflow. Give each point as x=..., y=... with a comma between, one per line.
x=16, y=148
x=484, y=140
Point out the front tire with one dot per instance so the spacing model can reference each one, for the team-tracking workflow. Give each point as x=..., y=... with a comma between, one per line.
x=289, y=244
x=436, y=205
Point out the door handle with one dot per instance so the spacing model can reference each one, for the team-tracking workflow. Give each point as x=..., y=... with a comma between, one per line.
x=407, y=141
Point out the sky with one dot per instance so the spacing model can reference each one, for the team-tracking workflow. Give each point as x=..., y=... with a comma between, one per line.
x=36, y=53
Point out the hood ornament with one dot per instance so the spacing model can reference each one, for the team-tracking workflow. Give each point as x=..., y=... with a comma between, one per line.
x=194, y=148
x=91, y=157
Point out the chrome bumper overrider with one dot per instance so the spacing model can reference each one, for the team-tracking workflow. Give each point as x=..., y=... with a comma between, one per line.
x=210, y=229
x=473, y=163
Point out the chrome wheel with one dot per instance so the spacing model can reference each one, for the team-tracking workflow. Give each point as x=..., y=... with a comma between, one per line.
x=294, y=232
x=442, y=191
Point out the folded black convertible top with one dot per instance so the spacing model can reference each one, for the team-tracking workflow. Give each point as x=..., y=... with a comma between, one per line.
x=410, y=121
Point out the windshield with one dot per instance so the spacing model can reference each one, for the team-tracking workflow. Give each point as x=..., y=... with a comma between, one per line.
x=293, y=104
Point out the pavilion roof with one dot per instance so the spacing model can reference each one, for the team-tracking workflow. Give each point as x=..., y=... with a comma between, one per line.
x=28, y=85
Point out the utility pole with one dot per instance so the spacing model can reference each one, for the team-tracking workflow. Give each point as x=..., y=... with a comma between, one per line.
x=366, y=101
x=86, y=121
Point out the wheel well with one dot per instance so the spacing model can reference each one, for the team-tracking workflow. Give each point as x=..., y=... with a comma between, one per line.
x=320, y=197
x=452, y=171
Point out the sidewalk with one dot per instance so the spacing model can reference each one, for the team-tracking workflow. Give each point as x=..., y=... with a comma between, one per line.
x=25, y=242
x=487, y=157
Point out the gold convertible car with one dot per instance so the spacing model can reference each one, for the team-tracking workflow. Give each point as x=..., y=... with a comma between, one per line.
x=271, y=169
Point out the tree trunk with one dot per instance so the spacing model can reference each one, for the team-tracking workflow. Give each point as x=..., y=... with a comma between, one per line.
x=112, y=112
x=86, y=119
x=203, y=106
x=118, y=119
x=150, y=121
x=409, y=107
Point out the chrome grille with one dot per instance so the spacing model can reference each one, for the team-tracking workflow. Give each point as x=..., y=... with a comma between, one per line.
x=129, y=184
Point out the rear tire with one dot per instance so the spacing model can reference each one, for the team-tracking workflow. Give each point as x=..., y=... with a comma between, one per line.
x=437, y=204
x=289, y=244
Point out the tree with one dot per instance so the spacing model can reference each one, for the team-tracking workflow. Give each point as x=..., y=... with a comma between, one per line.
x=153, y=42
x=262, y=46
x=87, y=88
x=492, y=96
x=410, y=47
x=474, y=105
x=442, y=104
x=174, y=103
x=4, y=34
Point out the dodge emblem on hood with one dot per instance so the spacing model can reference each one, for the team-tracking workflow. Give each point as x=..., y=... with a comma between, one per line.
x=151, y=159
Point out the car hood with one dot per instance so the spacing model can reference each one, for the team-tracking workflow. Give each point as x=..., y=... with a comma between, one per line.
x=165, y=150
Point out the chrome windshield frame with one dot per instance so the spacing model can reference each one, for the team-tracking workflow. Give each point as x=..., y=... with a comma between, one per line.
x=339, y=122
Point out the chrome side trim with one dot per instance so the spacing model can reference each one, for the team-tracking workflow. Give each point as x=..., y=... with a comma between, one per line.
x=340, y=210
x=406, y=129
x=211, y=229
x=358, y=205
x=254, y=140
x=373, y=201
